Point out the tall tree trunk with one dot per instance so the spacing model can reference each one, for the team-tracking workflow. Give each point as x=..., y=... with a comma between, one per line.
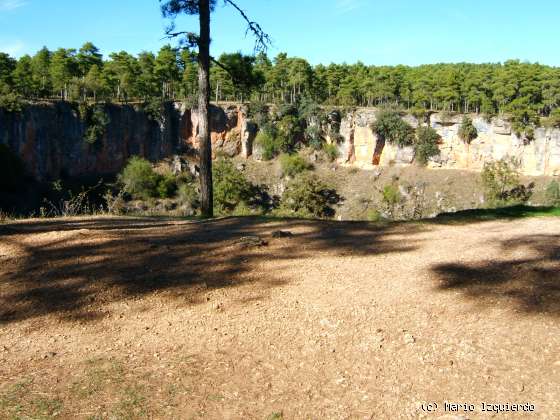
x=205, y=149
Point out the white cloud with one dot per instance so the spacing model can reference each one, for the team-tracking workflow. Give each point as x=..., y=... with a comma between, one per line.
x=12, y=48
x=345, y=6
x=8, y=5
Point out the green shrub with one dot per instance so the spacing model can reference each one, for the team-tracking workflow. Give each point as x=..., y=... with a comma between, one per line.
x=331, y=151
x=307, y=196
x=391, y=195
x=500, y=180
x=467, y=131
x=552, y=193
x=554, y=118
x=425, y=146
x=95, y=121
x=154, y=108
x=289, y=130
x=167, y=185
x=258, y=112
x=293, y=164
x=391, y=127
x=139, y=179
x=11, y=170
x=271, y=145
x=313, y=136
x=373, y=215
x=230, y=187
x=9, y=100
x=421, y=114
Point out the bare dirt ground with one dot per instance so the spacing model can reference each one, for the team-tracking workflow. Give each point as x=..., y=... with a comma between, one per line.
x=155, y=318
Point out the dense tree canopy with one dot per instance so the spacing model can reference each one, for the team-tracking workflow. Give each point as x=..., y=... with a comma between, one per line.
x=525, y=91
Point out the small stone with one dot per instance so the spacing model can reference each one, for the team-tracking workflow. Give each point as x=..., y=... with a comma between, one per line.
x=409, y=338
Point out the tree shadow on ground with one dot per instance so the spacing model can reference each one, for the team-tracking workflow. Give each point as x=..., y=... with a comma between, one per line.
x=484, y=215
x=530, y=283
x=76, y=268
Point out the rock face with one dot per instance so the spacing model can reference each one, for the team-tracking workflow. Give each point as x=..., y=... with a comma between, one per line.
x=49, y=137
x=50, y=140
x=541, y=156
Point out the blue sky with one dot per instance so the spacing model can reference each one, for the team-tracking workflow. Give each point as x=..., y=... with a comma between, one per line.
x=373, y=31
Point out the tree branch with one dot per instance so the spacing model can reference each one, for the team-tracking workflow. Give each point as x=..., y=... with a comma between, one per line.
x=262, y=39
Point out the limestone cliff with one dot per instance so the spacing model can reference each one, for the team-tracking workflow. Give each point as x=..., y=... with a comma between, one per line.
x=49, y=137
x=496, y=140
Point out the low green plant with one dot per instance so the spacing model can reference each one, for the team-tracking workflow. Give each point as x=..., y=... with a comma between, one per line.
x=9, y=100
x=500, y=180
x=95, y=121
x=166, y=185
x=331, y=151
x=258, y=112
x=391, y=127
x=230, y=187
x=270, y=145
x=421, y=114
x=289, y=130
x=554, y=118
x=293, y=164
x=154, y=108
x=139, y=179
x=308, y=196
x=425, y=145
x=552, y=193
x=467, y=130
x=373, y=215
x=313, y=137
x=187, y=195
x=391, y=195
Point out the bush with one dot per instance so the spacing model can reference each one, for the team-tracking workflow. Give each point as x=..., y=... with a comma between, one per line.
x=391, y=195
x=500, y=180
x=230, y=187
x=307, y=196
x=554, y=118
x=467, y=131
x=271, y=146
x=421, y=114
x=391, y=127
x=11, y=170
x=167, y=185
x=289, y=131
x=373, y=215
x=331, y=151
x=552, y=193
x=293, y=164
x=96, y=121
x=139, y=179
x=258, y=112
x=188, y=198
x=313, y=136
x=154, y=108
x=425, y=146
x=9, y=100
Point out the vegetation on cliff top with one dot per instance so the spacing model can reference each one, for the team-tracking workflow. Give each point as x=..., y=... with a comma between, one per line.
x=523, y=91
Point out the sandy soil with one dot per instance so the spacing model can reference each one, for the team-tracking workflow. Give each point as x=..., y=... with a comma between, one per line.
x=153, y=318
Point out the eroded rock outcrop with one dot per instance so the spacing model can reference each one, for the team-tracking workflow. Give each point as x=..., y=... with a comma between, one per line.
x=50, y=137
x=359, y=146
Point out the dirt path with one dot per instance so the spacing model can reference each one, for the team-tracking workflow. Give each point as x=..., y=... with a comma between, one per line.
x=140, y=318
